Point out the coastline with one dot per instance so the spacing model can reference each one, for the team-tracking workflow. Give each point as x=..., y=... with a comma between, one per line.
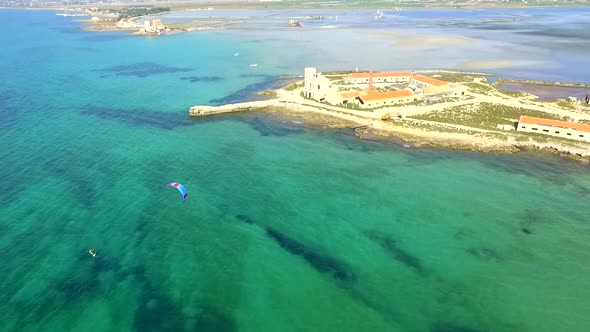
x=406, y=130
x=244, y=5
x=128, y=23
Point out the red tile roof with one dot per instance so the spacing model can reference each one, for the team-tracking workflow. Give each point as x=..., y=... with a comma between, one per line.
x=555, y=123
x=387, y=95
x=387, y=74
x=429, y=80
x=158, y=23
x=349, y=94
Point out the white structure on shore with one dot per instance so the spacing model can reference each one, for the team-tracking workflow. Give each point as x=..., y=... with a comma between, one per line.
x=412, y=88
x=316, y=86
x=387, y=77
x=156, y=26
x=379, y=99
x=571, y=130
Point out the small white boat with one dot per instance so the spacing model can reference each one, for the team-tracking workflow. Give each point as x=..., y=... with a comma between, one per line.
x=254, y=65
x=236, y=54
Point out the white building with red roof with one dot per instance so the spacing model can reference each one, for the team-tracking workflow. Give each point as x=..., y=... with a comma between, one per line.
x=571, y=130
x=385, y=77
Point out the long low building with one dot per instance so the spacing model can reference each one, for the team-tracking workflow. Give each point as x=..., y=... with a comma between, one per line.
x=425, y=81
x=571, y=130
x=372, y=100
x=451, y=89
x=348, y=97
x=385, y=77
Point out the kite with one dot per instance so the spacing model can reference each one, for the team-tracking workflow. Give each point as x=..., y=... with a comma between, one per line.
x=180, y=188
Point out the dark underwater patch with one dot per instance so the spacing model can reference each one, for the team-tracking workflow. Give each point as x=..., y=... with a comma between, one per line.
x=451, y=327
x=87, y=283
x=484, y=253
x=391, y=247
x=270, y=128
x=578, y=34
x=141, y=70
x=86, y=191
x=321, y=263
x=68, y=30
x=429, y=156
x=141, y=118
x=8, y=113
x=197, y=79
x=546, y=167
x=156, y=312
x=500, y=26
x=254, y=75
x=348, y=139
x=73, y=290
x=529, y=219
x=245, y=218
x=249, y=93
x=213, y=319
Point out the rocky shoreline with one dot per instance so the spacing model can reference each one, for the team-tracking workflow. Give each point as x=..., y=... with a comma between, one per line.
x=371, y=126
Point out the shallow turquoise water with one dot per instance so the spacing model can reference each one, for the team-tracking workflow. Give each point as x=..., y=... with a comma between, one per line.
x=285, y=229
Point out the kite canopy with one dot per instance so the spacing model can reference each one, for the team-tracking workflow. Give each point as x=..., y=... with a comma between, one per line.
x=180, y=188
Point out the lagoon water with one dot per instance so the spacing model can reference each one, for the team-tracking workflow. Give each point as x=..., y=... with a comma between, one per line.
x=286, y=228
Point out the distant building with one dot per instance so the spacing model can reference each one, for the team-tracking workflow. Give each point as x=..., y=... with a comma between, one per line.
x=316, y=86
x=95, y=19
x=158, y=25
x=425, y=81
x=387, y=77
x=572, y=130
x=320, y=88
x=372, y=100
x=449, y=89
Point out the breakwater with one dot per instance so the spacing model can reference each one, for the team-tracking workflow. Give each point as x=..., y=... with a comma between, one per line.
x=204, y=110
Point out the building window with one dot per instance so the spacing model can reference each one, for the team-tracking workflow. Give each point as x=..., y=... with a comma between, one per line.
x=557, y=132
x=535, y=129
x=523, y=127
x=569, y=134
x=581, y=135
x=546, y=130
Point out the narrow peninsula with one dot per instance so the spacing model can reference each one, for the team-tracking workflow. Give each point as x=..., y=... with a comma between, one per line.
x=459, y=110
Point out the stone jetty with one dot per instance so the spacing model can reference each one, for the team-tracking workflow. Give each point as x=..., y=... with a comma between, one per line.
x=203, y=110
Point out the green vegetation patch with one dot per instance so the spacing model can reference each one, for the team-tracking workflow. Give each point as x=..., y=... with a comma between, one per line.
x=294, y=86
x=480, y=88
x=484, y=115
x=511, y=93
x=141, y=11
x=456, y=77
x=533, y=82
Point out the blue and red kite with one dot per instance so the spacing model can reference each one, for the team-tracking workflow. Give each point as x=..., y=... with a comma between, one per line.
x=180, y=188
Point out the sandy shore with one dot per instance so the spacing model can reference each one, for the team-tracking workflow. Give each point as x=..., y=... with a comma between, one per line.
x=369, y=124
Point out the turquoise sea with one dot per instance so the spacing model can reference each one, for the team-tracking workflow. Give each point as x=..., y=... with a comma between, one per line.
x=286, y=228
